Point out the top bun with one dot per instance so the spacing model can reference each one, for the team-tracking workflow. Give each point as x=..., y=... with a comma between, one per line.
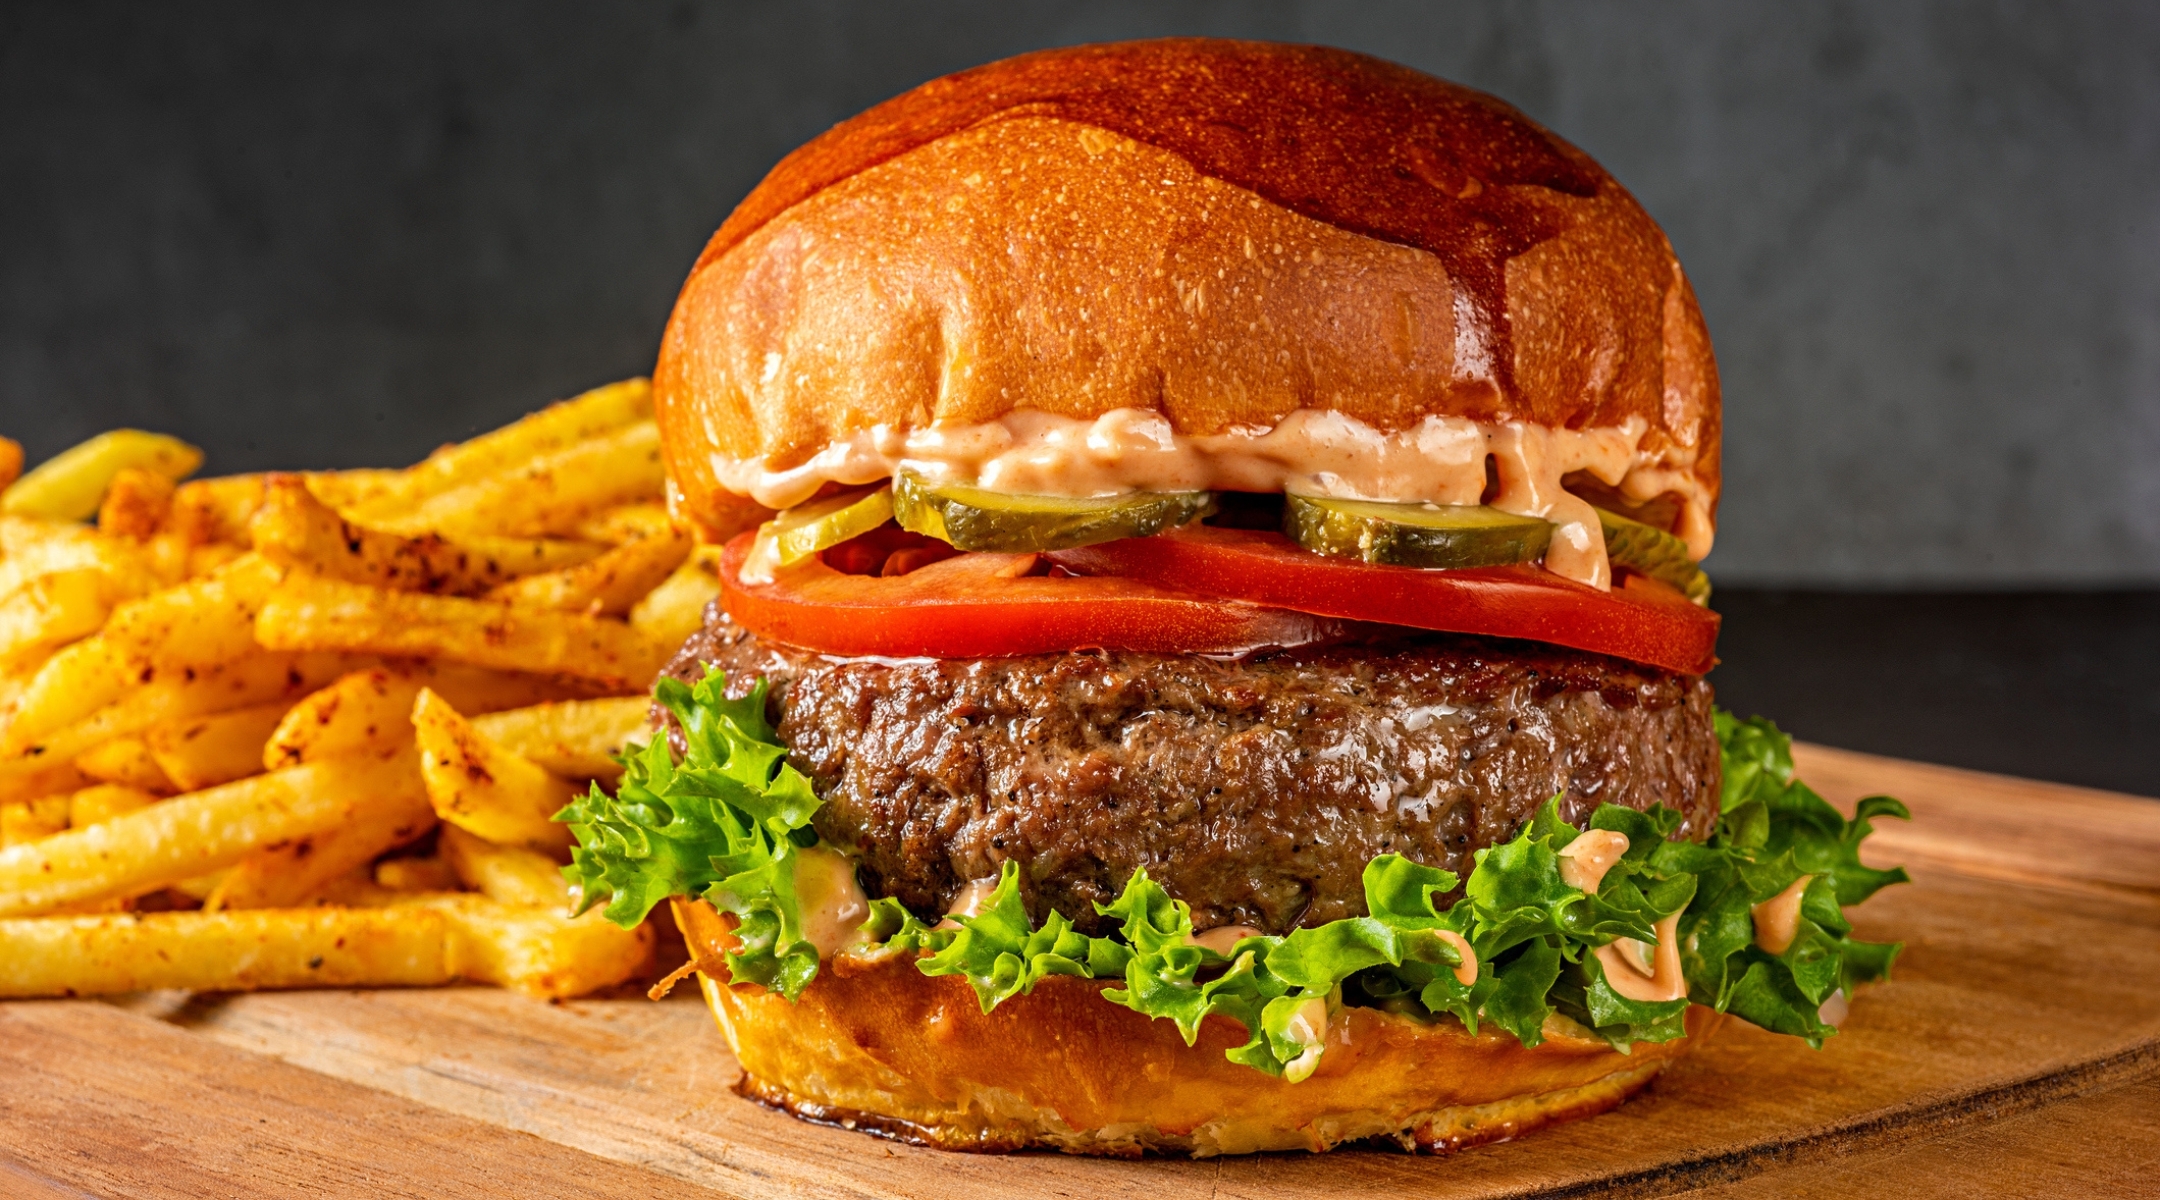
x=1223, y=232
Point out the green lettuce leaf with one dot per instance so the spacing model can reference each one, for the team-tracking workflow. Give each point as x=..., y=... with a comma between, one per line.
x=724, y=823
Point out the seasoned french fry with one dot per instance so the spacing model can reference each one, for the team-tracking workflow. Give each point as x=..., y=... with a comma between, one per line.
x=510, y=874
x=31, y=820
x=68, y=486
x=202, y=621
x=609, y=584
x=572, y=422
x=628, y=523
x=311, y=612
x=11, y=460
x=348, y=489
x=576, y=739
x=229, y=951
x=291, y=872
x=295, y=529
x=51, y=611
x=356, y=712
x=136, y=504
x=416, y=874
x=552, y=494
x=411, y=942
x=256, y=678
x=673, y=611
x=217, y=510
x=539, y=951
x=72, y=685
x=190, y=835
x=127, y=761
x=35, y=778
x=105, y=801
x=484, y=789
x=31, y=548
x=201, y=752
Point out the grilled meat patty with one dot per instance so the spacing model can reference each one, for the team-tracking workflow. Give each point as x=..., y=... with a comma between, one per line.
x=1255, y=789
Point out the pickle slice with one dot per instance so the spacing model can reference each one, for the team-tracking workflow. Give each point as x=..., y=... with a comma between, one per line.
x=973, y=518
x=1415, y=535
x=805, y=529
x=1655, y=553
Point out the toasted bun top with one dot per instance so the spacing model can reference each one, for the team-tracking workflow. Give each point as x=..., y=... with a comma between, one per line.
x=1221, y=231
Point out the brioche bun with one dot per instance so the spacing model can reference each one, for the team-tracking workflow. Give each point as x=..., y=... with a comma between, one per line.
x=1221, y=231
x=880, y=1047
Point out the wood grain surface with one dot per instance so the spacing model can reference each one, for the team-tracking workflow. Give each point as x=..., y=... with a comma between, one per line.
x=2018, y=1047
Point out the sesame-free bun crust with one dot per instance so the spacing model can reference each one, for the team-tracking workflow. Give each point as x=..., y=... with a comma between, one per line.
x=1222, y=231
x=884, y=1048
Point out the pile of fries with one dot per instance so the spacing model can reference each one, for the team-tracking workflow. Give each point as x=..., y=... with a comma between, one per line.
x=292, y=730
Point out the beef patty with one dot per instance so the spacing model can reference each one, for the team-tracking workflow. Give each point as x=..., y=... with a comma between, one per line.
x=1255, y=789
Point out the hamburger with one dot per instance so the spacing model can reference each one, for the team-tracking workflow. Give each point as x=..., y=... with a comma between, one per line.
x=1212, y=639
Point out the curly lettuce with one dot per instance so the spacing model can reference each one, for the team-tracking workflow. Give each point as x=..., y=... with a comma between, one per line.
x=724, y=823
x=727, y=820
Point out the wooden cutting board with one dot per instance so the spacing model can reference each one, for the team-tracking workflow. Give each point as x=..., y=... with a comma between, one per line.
x=2017, y=1051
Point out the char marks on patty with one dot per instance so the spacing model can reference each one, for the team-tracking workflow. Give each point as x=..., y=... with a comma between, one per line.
x=1254, y=789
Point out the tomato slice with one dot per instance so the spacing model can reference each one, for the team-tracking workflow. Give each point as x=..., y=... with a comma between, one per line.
x=986, y=605
x=1644, y=622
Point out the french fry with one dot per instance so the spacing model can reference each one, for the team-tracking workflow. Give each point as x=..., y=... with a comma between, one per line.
x=52, y=610
x=31, y=548
x=608, y=585
x=628, y=523
x=412, y=942
x=68, y=486
x=353, y=713
x=484, y=789
x=255, y=678
x=673, y=611
x=228, y=951
x=32, y=779
x=572, y=422
x=11, y=460
x=136, y=504
x=204, y=751
x=576, y=739
x=311, y=612
x=539, y=951
x=32, y=820
x=430, y=874
x=510, y=874
x=127, y=761
x=292, y=872
x=295, y=529
x=552, y=494
x=103, y=802
x=71, y=686
x=190, y=835
x=202, y=621
x=216, y=510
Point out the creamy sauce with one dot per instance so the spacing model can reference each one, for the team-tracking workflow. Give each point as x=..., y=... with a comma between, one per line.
x=1649, y=974
x=1221, y=938
x=833, y=904
x=969, y=902
x=1777, y=920
x=1466, y=970
x=1315, y=452
x=1834, y=1009
x=1308, y=1028
x=1584, y=861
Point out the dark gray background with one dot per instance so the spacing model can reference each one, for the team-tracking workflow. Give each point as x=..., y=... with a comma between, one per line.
x=1926, y=238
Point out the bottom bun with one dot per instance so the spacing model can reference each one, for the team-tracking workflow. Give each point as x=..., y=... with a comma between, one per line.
x=881, y=1047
